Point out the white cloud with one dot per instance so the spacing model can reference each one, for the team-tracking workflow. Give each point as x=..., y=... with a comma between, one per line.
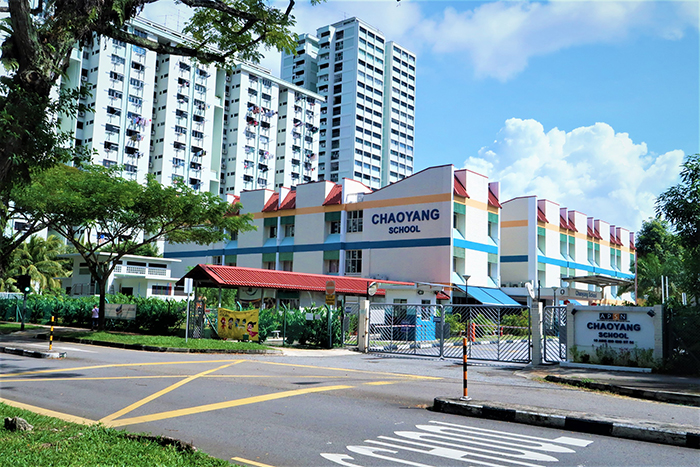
x=497, y=38
x=589, y=169
x=500, y=38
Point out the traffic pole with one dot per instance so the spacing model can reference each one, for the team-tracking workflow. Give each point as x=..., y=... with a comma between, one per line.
x=465, y=397
x=51, y=335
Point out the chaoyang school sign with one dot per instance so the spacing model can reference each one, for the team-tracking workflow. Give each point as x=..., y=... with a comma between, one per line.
x=620, y=327
x=405, y=221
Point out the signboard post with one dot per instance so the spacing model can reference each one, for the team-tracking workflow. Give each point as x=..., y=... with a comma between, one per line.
x=330, y=302
x=330, y=293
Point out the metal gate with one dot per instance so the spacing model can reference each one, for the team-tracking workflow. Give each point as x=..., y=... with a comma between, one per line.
x=496, y=333
x=554, y=334
x=405, y=329
x=350, y=319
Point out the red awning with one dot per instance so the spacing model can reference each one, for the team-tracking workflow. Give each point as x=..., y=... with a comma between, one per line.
x=209, y=275
x=290, y=202
x=272, y=203
x=540, y=216
x=459, y=189
x=493, y=201
x=442, y=296
x=335, y=196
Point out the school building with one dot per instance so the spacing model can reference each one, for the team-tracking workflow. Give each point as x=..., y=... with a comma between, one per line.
x=570, y=256
x=439, y=226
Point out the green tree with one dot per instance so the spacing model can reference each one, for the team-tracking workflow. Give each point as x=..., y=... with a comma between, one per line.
x=95, y=210
x=36, y=49
x=680, y=206
x=39, y=259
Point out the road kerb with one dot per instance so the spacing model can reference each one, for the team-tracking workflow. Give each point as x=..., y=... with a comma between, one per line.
x=676, y=435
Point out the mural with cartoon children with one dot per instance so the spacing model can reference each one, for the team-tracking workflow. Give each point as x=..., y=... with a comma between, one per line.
x=238, y=325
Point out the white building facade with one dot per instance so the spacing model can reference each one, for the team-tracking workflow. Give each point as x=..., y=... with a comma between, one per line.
x=367, y=124
x=544, y=243
x=439, y=226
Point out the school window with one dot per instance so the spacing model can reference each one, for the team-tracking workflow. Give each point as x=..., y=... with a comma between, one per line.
x=354, y=223
x=289, y=230
x=353, y=261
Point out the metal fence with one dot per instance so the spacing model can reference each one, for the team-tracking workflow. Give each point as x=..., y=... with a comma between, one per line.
x=350, y=320
x=554, y=334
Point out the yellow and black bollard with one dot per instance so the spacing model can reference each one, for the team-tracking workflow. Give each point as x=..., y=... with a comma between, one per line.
x=465, y=397
x=51, y=335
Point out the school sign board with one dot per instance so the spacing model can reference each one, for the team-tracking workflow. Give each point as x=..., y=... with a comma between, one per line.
x=617, y=327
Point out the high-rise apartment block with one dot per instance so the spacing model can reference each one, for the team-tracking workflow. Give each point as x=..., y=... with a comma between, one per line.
x=215, y=130
x=367, y=123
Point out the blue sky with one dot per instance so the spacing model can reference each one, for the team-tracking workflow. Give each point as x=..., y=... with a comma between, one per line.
x=590, y=104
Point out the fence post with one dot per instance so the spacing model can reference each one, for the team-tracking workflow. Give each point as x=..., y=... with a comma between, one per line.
x=363, y=326
x=441, y=310
x=465, y=396
x=536, y=333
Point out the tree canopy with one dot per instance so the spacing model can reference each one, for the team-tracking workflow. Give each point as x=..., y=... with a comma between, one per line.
x=98, y=212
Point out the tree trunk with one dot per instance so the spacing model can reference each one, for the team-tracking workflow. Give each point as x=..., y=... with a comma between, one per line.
x=102, y=285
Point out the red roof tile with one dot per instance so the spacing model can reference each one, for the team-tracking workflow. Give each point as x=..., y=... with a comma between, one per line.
x=272, y=203
x=460, y=190
x=233, y=276
x=290, y=202
x=493, y=201
x=335, y=196
x=540, y=216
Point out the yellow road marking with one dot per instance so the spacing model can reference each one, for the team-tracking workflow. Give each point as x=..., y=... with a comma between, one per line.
x=246, y=461
x=156, y=395
x=49, y=413
x=221, y=405
x=380, y=383
x=122, y=365
x=95, y=378
x=100, y=378
x=115, y=365
x=401, y=375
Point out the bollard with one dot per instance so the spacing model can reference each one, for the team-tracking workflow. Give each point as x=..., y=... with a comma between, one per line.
x=51, y=335
x=465, y=397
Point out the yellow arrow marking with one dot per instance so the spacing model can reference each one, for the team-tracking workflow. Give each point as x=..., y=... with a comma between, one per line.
x=156, y=395
x=221, y=405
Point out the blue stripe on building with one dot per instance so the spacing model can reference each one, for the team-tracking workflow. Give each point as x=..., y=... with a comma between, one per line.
x=475, y=246
x=514, y=259
x=411, y=243
x=584, y=267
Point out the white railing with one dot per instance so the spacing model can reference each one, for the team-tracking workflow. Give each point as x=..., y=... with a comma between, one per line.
x=142, y=271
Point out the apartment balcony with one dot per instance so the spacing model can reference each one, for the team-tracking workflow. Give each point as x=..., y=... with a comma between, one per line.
x=141, y=271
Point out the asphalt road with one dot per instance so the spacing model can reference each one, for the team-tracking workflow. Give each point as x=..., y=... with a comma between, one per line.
x=342, y=409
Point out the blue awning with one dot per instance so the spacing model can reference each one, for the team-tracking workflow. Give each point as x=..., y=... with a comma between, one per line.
x=488, y=296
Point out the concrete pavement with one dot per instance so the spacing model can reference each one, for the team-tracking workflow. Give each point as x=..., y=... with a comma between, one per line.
x=656, y=387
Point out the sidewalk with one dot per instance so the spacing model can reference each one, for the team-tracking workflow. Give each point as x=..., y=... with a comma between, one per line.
x=625, y=419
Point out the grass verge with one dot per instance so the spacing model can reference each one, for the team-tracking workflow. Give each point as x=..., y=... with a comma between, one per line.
x=165, y=341
x=59, y=443
x=6, y=328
